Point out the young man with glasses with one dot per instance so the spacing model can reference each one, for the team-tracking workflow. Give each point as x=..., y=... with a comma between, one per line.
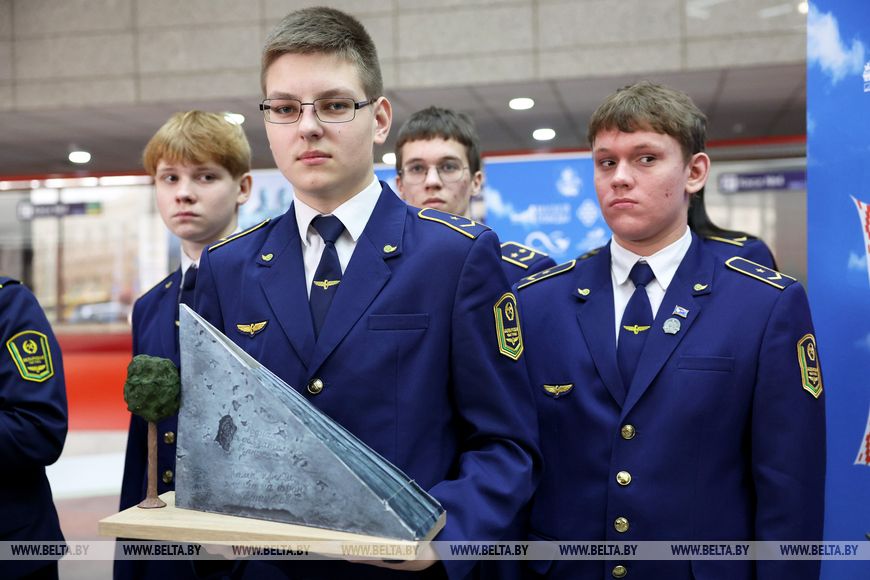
x=438, y=165
x=428, y=374
x=679, y=392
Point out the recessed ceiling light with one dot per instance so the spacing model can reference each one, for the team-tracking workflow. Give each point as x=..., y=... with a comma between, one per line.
x=389, y=158
x=545, y=134
x=234, y=118
x=521, y=103
x=79, y=156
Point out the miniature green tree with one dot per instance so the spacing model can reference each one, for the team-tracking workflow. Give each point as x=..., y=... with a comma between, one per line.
x=152, y=391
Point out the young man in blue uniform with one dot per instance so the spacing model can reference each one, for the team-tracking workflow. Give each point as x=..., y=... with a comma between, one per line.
x=438, y=166
x=201, y=164
x=709, y=427
x=396, y=322
x=33, y=426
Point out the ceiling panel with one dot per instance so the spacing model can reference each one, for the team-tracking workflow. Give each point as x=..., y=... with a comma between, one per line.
x=760, y=102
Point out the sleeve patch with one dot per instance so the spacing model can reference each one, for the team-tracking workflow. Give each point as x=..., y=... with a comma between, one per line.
x=808, y=360
x=507, y=327
x=32, y=355
x=543, y=274
x=463, y=225
x=759, y=272
x=520, y=255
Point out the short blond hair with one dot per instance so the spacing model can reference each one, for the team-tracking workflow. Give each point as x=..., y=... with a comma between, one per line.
x=195, y=137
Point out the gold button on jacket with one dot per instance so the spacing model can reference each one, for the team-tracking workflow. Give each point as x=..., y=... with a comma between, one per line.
x=623, y=478
x=315, y=386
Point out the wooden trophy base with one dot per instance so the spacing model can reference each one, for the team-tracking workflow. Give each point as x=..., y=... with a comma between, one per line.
x=183, y=525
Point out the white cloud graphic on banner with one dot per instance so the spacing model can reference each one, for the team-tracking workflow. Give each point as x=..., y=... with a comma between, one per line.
x=857, y=262
x=825, y=47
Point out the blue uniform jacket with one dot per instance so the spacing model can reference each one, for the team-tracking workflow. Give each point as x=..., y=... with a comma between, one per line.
x=33, y=423
x=519, y=261
x=721, y=435
x=154, y=333
x=408, y=355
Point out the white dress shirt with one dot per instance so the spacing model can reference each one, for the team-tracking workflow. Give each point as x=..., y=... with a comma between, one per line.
x=664, y=264
x=354, y=214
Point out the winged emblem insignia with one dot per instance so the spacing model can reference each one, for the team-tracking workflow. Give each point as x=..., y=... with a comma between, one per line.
x=636, y=329
x=253, y=328
x=559, y=390
x=326, y=284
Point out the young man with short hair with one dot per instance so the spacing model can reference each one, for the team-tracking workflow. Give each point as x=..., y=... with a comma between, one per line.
x=201, y=166
x=438, y=165
x=679, y=393
x=343, y=283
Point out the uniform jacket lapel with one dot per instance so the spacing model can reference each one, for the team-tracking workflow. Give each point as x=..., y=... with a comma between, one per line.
x=692, y=281
x=283, y=283
x=168, y=313
x=596, y=319
x=365, y=275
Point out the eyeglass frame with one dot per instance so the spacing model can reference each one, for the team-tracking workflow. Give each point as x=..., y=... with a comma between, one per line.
x=357, y=105
x=403, y=174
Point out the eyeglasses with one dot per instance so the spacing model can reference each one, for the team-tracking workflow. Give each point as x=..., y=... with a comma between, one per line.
x=328, y=109
x=448, y=171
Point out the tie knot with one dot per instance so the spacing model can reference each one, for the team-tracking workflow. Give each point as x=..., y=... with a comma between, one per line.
x=189, y=278
x=641, y=274
x=329, y=227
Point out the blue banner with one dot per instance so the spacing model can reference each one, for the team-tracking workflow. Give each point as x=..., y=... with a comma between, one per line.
x=838, y=165
x=545, y=202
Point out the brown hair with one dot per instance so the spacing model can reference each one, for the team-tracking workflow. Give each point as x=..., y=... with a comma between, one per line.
x=199, y=137
x=650, y=106
x=435, y=122
x=321, y=30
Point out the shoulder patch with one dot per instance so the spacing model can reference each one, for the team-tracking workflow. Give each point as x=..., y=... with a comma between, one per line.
x=507, y=326
x=741, y=241
x=229, y=239
x=463, y=225
x=4, y=281
x=520, y=255
x=31, y=354
x=543, y=274
x=808, y=361
x=759, y=272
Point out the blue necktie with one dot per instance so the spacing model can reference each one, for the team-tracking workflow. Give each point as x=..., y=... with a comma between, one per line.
x=187, y=286
x=328, y=274
x=636, y=323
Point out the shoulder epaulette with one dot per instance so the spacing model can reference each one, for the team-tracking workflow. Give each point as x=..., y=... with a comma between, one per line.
x=229, y=239
x=590, y=253
x=759, y=272
x=463, y=225
x=520, y=255
x=739, y=241
x=543, y=274
x=4, y=281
